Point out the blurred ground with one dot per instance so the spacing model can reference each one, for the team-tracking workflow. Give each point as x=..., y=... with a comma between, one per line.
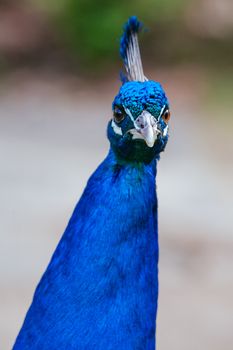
x=52, y=136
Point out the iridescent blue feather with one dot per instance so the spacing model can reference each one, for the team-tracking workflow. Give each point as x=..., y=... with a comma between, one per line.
x=100, y=289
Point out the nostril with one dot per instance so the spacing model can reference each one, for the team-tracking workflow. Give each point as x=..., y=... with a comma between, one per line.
x=142, y=126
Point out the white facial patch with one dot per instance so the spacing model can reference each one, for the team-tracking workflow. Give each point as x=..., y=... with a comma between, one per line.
x=136, y=134
x=127, y=111
x=165, y=131
x=116, y=128
x=161, y=112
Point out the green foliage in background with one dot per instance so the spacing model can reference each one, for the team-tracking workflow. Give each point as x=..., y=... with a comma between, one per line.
x=89, y=31
x=92, y=28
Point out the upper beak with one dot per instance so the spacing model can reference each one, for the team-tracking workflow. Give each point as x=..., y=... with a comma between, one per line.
x=146, y=126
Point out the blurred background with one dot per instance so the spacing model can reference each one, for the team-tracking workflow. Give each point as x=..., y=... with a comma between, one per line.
x=59, y=71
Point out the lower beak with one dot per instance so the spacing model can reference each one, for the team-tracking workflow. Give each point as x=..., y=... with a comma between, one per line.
x=146, y=126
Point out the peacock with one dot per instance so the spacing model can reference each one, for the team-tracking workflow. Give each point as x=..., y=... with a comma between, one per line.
x=100, y=289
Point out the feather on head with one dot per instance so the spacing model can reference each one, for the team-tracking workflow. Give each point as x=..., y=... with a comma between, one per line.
x=129, y=50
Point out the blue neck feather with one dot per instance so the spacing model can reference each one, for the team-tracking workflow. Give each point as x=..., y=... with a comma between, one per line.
x=100, y=289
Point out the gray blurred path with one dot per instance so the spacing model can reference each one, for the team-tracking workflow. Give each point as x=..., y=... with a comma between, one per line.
x=52, y=136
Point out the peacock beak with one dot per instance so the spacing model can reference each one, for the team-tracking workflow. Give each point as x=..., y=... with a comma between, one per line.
x=146, y=126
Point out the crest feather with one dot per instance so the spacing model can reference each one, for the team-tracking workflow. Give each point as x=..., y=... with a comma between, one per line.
x=129, y=50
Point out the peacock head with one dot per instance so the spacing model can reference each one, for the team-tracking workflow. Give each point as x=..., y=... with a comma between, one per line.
x=138, y=130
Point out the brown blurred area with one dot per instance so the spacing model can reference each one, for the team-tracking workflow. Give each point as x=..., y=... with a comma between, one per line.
x=53, y=117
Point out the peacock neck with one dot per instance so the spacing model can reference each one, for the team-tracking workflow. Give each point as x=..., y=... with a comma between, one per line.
x=122, y=195
x=120, y=202
x=103, y=277
x=140, y=166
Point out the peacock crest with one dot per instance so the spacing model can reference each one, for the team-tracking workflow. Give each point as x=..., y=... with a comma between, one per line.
x=130, y=52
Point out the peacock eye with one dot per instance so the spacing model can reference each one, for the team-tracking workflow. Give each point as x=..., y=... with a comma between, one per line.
x=118, y=114
x=166, y=116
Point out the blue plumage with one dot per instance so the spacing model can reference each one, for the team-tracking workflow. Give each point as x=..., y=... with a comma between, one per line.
x=129, y=51
x=132, y=26
x=100, y=289
x=137, y=96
